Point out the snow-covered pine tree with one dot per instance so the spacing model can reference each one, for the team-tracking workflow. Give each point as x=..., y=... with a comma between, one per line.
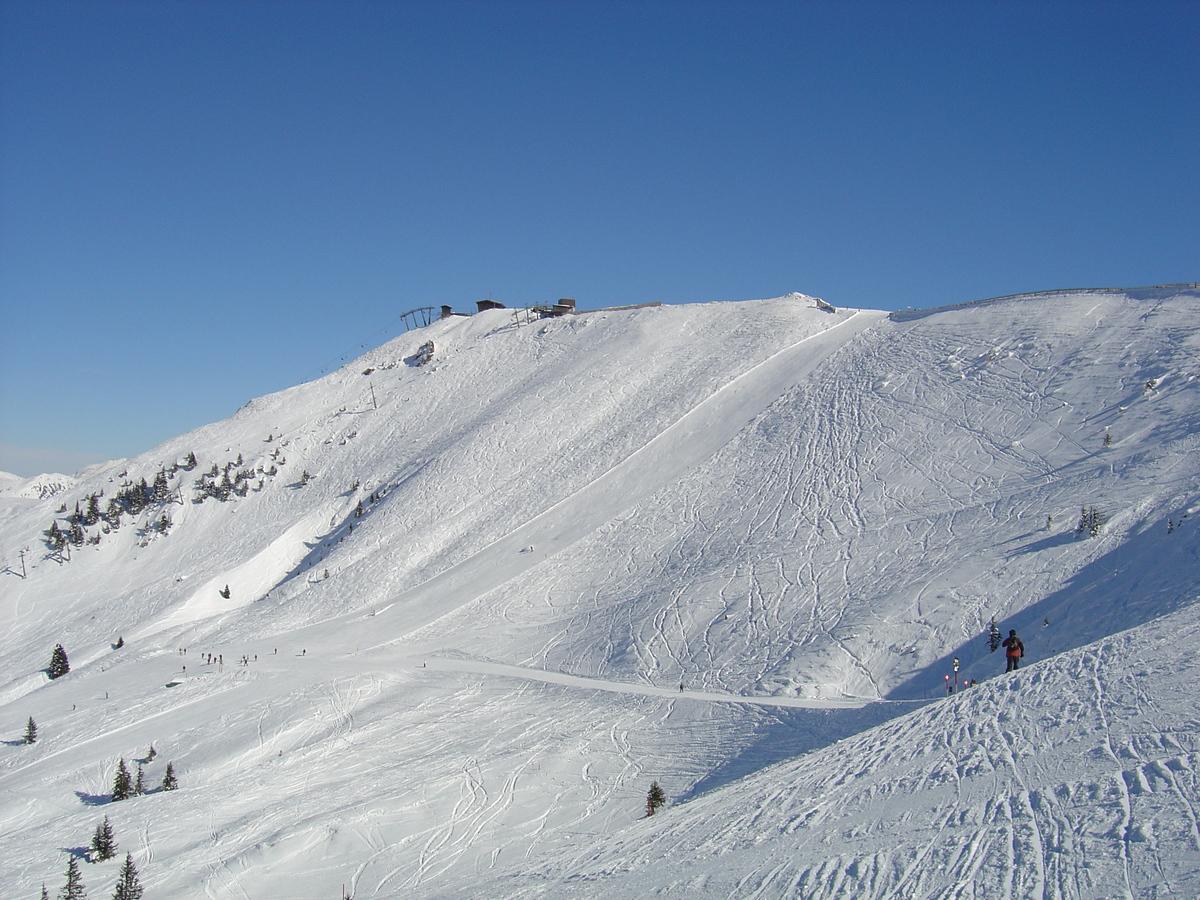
x=113, y=513
x=31, y=731
x=91, y=515
x=139, y=784
x=45, y=893
x=59, y=664
x=128, y=885
x=104, y=845
x=122, y=784
x=994, y=639
x=54, y=538
x=73, y=889
x=1091, y=520
x=169, y=782
x=655, y=800
x=160, y=491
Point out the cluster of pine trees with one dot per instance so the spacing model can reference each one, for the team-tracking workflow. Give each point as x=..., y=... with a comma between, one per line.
x=126, y=786
x=218, y=483
x=1091, y=520
x=131, y=499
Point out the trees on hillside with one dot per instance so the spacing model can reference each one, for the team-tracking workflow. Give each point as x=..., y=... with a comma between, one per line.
x=31, y=731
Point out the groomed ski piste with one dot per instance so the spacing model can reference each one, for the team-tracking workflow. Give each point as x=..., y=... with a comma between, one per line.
x=468, y=603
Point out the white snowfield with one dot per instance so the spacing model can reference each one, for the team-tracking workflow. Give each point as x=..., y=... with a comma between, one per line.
x=734, y=548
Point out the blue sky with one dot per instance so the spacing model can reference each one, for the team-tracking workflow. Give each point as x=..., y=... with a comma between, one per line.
x=203, y=202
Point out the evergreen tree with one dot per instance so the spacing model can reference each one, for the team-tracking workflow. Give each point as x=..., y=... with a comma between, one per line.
x=31, y=731
x=104, y=845
x=112, y=515
x=59, y=665
x=55, y=539
x=73, y=889
x=161, y=491
x=128, y=885
x=994, y=638
x=122, y=784
x=45, y=893
x=139, y=784
x=169, y=782
x=1091, y=520
x=225, y=488
x=655, y=800
x=91, y=515
x=151, y=753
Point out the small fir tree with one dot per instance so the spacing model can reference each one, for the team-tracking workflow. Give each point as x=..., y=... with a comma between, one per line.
x=31, y=731
x=59, y=665
x=104, y=844
x=994, y=639
x=45, y=893
x=73, y=889
x=151, y=753
x=169, y=782
x=54, y=537
x=139, y=784
x=122, y=784
x=1091, y=520
x=655, y=800
x=128, y=885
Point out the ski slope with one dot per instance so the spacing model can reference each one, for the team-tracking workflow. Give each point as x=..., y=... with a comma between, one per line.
x=486, y=598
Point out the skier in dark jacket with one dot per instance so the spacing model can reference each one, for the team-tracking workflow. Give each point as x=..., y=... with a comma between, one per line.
x=1013, y=650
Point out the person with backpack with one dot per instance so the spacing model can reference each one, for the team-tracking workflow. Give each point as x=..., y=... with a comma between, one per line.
x=1013, y=650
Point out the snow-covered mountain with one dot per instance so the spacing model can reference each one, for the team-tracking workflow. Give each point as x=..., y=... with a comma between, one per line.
x=40, y=487
x=495, y=577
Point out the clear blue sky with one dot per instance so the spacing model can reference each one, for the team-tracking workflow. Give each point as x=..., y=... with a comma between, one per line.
x=202, y=202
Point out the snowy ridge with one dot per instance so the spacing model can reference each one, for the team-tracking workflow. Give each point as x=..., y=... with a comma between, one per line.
x=487, y=592
x=39, y=487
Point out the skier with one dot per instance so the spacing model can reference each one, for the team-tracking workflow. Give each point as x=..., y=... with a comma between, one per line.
x=1013, y=650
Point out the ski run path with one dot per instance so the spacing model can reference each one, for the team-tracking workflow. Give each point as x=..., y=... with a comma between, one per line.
x=732, y=548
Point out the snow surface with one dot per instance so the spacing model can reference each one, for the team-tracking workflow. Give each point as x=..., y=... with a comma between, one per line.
x=730, y=547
